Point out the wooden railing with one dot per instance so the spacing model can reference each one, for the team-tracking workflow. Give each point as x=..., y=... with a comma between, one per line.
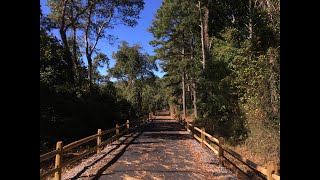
x=270, y=173
x=60, y=149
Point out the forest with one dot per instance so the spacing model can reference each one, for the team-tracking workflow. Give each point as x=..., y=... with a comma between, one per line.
x=221, y=60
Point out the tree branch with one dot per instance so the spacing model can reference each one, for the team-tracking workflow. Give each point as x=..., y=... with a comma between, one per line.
x=87, y=30
x=101, y=30
x=73, y=20
x=62, y=25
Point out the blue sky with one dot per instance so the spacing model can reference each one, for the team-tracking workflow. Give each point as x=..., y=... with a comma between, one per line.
x=135, y=35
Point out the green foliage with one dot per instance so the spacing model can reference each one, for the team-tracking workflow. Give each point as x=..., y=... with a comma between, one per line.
x=75, y=100
x=52, y=64
x=134, y=71
x=237, y=95
x=243, y=73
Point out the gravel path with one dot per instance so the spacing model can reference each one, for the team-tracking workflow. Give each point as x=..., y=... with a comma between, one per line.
x=164, y=150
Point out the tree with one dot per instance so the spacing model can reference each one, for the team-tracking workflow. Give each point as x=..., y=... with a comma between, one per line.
x=65, y=14
x=204, y=24
x=104, y=14
x=133, y=68
x=175, y=29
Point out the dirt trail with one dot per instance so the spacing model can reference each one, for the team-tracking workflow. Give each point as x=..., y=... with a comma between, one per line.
x=164, y=150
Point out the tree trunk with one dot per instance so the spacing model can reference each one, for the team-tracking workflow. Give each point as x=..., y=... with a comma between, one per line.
x=68, y=56
x=63, y=35
x=194, y=93
x=183, y=79
x=250, y=26
x=193, y=86
x=206, y=33
x=183, y=95
x=75, y=61
x=90, y=71
x=202, y=38
x=204, y=24
x=88, y=52
x=274, y=81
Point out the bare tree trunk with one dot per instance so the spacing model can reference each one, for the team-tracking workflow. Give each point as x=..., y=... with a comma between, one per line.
x=91, y=47
x=90, y=69
x=250, y=26
x=202, y=38
x=274, y=81
x=206, y=32
x=183, y=79
x=194, y=93
x=193, y=86
x=183, y=95
x=75, y=61
x=204, y=24
x=88, y=52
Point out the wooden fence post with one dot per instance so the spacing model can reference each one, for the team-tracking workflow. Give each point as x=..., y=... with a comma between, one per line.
x=188, y=127
x=221, y=156
x=58, y=162
x=99, y=141
x=203, y=137
x=271, y=168
x=191, y=130
x=117, y=132
x=276, y=168
x=128, y=124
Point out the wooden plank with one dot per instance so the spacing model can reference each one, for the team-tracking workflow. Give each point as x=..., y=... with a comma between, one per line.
x=276, y=177
x=277, y=168
x=48, y=173
x=108, y=131
x=247, y=162
x=122, y=125
x=239, y=173
x=48, y=155
x=271, y=168
x=196, y=128
x=79, y=142
x=203, y=137
x=79, y=157
x=199, y=139
x=99, y=141
x=221, y=151
x=57, y=164
x=212, y=138
x=209, y=146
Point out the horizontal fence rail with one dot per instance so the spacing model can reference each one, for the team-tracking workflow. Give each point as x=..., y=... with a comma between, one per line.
x=60, y=149
x=270, y=173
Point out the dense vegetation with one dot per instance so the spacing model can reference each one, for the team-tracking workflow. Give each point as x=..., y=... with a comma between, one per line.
x=221, y=59
x=222, y=63
x=75, y=99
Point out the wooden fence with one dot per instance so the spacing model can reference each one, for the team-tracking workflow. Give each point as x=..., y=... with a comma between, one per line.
x=60, y=148
x=270, y=173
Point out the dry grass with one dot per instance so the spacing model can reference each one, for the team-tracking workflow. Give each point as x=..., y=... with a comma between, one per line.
x=262, y=144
